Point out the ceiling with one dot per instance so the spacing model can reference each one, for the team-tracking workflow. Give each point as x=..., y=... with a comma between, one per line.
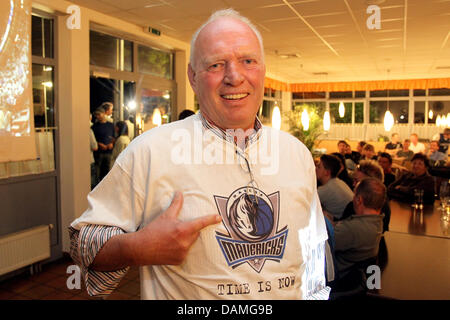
x=317, y=40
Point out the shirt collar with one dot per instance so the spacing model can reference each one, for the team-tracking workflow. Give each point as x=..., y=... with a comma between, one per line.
x=227, y=134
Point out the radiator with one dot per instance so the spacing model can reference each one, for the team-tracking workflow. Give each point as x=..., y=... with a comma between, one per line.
x=24, y=248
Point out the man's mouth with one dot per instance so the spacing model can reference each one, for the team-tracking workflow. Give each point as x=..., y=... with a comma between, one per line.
x=237, y=96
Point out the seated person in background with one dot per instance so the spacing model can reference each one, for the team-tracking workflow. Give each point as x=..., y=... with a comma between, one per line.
x=368, y=152
x=360, y=146
x=357, y=238
x=369, y=169
x=385, y=161
x=405, y=153
x=444, y=140
x=342, y=147
x=393, y=146
x=343, y=173
x=334, y=194
x=416, y=146
x=403, y=188
x=185, y=113
x=351, y=158
x=436, y=157
x=123, y=140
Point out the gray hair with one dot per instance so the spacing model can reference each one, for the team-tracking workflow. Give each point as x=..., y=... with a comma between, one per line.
x=225, y=13
x=372, y=169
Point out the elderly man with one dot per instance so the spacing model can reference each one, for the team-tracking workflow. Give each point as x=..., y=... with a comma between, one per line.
x=200, y=226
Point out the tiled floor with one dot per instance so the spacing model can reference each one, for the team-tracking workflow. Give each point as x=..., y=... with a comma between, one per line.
x=51, y=284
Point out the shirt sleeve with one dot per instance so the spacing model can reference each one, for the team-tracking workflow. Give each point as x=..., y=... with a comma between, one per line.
x=85, y=244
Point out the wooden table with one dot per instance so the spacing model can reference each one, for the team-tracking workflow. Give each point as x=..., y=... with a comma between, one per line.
x=418, y=267
x=427, y=222
x=418, y=254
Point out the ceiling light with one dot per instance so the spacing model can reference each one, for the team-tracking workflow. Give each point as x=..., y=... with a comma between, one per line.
x=326, y=121
x=276, y=118
x=156, y=117
x=305, y=120
x=341, y=110
x=388, y=121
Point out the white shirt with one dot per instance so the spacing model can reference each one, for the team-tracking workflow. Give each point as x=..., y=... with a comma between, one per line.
x=272, y=258
x=418, y=148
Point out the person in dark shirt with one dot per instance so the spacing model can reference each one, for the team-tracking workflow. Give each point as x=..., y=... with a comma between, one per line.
x=366, y=169
x=403, y=188
x=393, y=146
x=385, y=161
x=104, y=134
x=405, y=153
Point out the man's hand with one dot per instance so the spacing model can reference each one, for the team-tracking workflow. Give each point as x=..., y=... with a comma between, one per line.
x=167, y=240
x=164, y=241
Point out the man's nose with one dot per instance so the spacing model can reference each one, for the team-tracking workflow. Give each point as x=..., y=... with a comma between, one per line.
x=233, y=74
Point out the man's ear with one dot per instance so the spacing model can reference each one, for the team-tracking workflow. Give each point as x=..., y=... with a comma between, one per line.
x=191, y=76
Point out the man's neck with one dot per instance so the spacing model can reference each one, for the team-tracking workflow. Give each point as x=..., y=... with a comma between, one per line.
x=325, y=180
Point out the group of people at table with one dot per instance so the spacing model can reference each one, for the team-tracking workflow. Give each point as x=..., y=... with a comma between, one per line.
x=357, y=215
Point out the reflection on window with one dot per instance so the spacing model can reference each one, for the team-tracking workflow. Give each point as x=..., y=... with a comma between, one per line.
x=42, y=37
x=308, y=95
x=43, y=96
x=155, y=109
x=334, y=113
x=419, y=112
x=318, y=107
x=155, y=62
x=341, y=94
x=439, y=108
x=272, y=93
x=398, y=108
x=359, y=112
x=389, y=93
x=110, y=52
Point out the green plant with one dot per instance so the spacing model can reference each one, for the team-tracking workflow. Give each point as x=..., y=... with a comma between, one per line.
x=315, y=129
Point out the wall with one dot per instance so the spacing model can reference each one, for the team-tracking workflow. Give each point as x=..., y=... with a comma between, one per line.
x=73, y=99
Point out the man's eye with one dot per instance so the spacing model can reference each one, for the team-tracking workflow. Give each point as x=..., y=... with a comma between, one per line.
x=249, y=61
x=215, y=66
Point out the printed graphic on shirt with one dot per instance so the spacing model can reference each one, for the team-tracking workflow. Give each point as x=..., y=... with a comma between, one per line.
x=253, y=236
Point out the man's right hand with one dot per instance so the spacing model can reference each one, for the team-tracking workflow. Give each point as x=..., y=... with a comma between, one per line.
x=164, y=241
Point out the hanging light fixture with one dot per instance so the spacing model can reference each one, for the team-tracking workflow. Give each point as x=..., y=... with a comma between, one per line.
x=156, y=117
x=430, y=114
x=341, y=109
x=388, y=116
x=305, y=120
x=326, y=121
x=276, y=117
x=438, y=121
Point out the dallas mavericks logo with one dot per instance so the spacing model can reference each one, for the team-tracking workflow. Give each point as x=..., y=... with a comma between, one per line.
x=252, y=224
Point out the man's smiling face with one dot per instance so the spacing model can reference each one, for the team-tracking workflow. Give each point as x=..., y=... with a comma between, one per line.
x=227, y=73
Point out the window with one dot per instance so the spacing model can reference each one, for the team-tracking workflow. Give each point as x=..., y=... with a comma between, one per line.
x=399, y=109
x=110, y=52
x=43, y=70
x=155, y=62
x=419, y=112
x=439, y=92
x=390, y=93
x=359, y=112
x=334, y=113
x=341, y=95
x=42, y=37
x=439, y=108
x=43, y=96
x=308, y=95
